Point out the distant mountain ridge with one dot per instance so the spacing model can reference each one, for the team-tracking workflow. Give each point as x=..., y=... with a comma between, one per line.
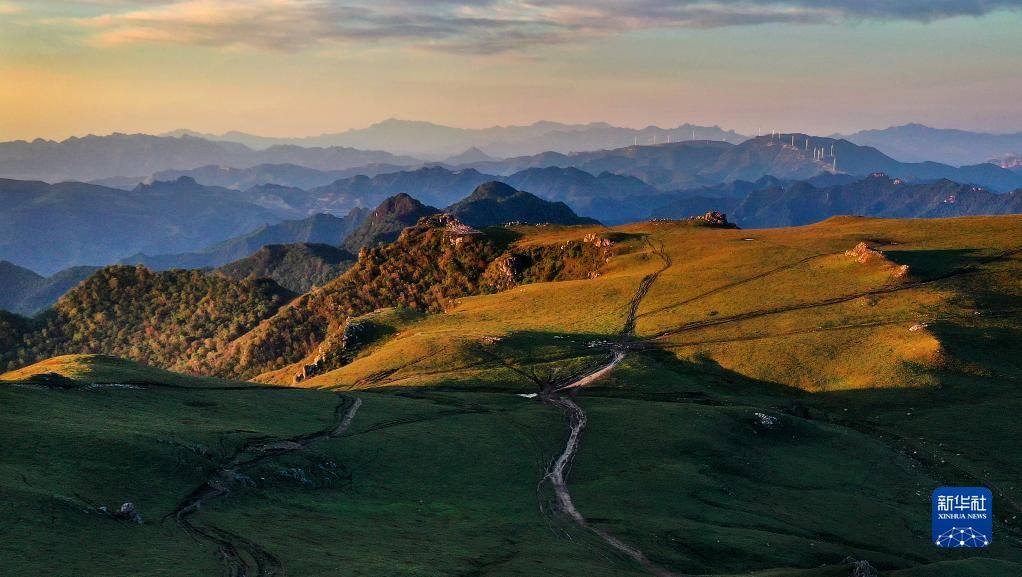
x=48, y=228
x=879, y=195
x=316, y=229
x=787, y=156
x=920, y=143
x=436, y=142
x=101, y=157
x=26, y=293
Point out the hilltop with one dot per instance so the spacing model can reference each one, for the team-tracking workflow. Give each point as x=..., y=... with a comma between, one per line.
x=385, y=223
x=297, y=267
x=497, y=203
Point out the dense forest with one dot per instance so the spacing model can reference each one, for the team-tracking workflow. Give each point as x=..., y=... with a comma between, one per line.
x=170, y=319
x=297, y=267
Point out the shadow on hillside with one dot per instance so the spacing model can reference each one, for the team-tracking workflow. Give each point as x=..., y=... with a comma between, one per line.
x=934, y=263
x=659, y=375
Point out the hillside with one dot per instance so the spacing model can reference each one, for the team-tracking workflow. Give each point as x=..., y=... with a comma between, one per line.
x=297, y=267
x=74, y=371
x=27, y=293
x=316, y=229
x=171, y=319
x=495, y=203
x=385, y=223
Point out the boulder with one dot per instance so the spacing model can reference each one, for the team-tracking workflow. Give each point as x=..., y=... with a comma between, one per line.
x=127, y=512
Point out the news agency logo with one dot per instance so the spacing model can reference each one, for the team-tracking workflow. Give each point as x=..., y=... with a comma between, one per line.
x=962, y=517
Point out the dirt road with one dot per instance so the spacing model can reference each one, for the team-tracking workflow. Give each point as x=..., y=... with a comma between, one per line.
x=562, y=397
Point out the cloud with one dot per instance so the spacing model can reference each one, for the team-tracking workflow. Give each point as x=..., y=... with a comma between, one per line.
x=7, y=8
x=471, y=26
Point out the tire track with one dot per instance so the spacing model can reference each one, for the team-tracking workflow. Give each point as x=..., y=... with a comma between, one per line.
x=647, y=282
x=242, y=557
x=733, y=284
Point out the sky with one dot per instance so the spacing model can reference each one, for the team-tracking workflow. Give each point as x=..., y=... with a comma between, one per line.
x=308, y=67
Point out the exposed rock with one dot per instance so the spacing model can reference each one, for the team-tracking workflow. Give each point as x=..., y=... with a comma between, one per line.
x=863, y=253
x=715, y=219
x=597, y=240
x=127, y=512
x=860, y=568
x=765, y=422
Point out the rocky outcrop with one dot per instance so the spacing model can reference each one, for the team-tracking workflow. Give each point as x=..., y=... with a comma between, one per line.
x=715, y=219
x=865, y=254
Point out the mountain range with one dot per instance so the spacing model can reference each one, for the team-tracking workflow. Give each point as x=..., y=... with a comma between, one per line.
x=787, y=156
x=128, y=155
x=437, y=142
x=50, y=227
x=768, y=204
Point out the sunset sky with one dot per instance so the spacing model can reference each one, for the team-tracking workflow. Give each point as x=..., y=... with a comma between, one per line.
x=304, y=67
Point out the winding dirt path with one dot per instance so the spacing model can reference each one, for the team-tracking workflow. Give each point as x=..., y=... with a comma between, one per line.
x=562, y=397
x=237, y=553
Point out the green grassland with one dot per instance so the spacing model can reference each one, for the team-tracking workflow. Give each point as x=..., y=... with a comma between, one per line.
x=439, y=472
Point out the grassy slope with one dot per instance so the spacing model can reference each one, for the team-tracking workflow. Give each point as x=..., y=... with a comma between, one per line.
x=104, y=369
x=443, y=480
